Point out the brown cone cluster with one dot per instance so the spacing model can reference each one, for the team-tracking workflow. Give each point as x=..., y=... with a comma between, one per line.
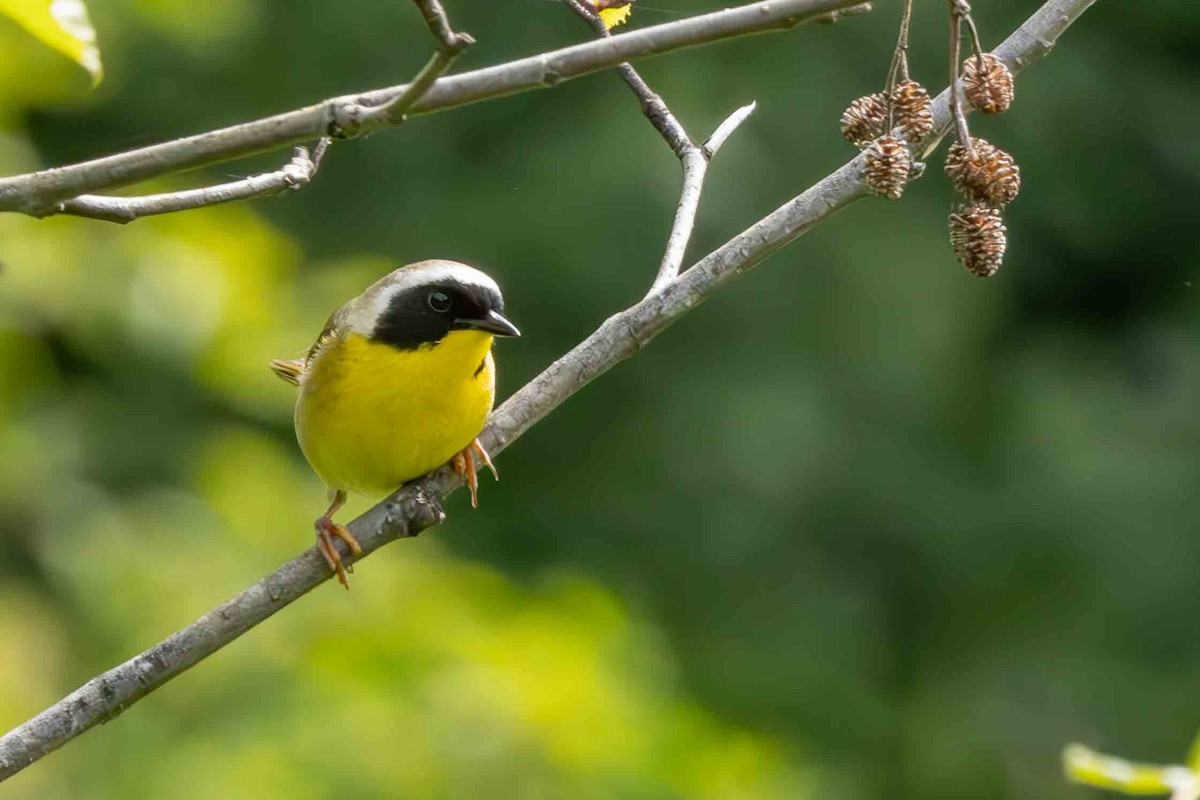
x=988, y=87
x=888, y=165
x=864, y=119
x=913, y=109
x=986, y=178
x=984, y=172
x=979, y=238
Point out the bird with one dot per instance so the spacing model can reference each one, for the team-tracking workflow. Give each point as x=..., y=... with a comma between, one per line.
x=400, y=381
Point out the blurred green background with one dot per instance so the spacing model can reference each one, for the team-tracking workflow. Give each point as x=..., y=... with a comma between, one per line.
x=862, y=526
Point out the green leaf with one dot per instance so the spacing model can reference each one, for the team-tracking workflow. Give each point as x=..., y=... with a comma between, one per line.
x=61, y=24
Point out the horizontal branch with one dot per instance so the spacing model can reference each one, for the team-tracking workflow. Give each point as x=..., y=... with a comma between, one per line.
x=296, y=174
x=417, y=506
x=349, y=115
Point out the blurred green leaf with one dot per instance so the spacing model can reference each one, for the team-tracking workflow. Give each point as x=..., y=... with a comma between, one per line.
x=63, y=25
x=1088, y=767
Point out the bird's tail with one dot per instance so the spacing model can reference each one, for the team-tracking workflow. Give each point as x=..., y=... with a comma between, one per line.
x=289, y=370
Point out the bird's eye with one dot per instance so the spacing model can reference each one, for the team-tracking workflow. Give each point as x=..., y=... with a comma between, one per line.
x=439, y=302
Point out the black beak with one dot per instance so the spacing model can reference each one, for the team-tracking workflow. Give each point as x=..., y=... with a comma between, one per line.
x=493, y=322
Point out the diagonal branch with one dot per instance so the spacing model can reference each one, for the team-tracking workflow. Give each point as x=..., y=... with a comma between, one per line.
x=416, y=506
x=296, y=174
x=37, y=192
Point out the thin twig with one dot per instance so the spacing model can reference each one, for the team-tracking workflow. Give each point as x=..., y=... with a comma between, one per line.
x=450, y=47
x=439, y=25
x=396, y=110
x=898, y=70
x=695, y=169
x=37, y=192
x=415, y=507
x=694, y=158
x=956, y=104
x=299, y=171
x=976, y=45
x=653, y=106
x=902, y=41
x=296, y=174
x=714, y=142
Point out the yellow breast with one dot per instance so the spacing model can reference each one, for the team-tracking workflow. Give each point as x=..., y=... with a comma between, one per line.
x=370, y=417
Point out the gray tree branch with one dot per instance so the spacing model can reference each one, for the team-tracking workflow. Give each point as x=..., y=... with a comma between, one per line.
x=416, y=506
x=296, y=174
x=36, y=193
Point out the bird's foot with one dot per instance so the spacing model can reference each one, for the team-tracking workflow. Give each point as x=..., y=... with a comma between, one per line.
x=327, y=532
x=464, y=465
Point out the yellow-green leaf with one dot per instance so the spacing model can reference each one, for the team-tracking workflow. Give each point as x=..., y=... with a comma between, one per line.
x=613, y=12
x=61, y=24
x=613, y=17
x=1086, y=766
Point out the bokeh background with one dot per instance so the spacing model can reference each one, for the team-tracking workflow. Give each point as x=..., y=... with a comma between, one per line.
x=862, y=526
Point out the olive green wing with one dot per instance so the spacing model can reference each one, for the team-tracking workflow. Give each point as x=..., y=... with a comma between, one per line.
x=292, y=369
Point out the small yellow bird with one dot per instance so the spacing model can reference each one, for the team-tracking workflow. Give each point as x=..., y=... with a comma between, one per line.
x=399, y=382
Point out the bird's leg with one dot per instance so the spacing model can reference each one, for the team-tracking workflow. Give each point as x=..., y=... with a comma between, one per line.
x=477, y=446
x=464, y=465
x=327, y=531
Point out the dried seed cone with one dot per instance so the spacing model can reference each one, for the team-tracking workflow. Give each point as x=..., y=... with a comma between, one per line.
x=864, y=119
x=984, y=172
x=979, y=238
x=913, y=108
x=888, y=165
x=988, y=89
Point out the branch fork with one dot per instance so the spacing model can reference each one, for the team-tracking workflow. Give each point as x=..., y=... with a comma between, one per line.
x=346, y=122
x=450, y=46
x=694, y=158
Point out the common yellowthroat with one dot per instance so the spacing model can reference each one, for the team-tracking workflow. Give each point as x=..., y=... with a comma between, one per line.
x=400, y=381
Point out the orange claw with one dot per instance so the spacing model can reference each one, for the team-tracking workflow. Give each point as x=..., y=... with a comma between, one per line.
x=477, y=446
x=464, y=464
x=327, y=531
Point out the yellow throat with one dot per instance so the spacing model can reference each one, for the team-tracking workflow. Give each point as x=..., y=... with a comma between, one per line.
x=370, y=416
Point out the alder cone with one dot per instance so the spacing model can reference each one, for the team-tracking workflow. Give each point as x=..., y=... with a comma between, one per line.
x=914, y=109
x=989, y=88
x=979, y=238
x=984, y=172
x=888, y=165
x=864, y=119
